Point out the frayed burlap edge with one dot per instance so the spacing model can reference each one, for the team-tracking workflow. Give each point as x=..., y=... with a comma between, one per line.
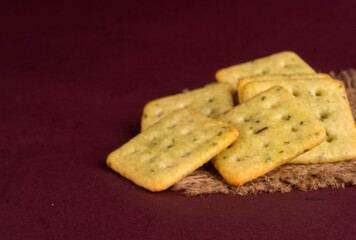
x=206, y=180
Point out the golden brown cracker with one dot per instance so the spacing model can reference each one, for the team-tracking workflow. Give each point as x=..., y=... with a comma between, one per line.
x=171, y=149
x=274, y=127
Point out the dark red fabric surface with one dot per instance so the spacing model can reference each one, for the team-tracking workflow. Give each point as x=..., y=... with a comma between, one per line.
x=74, y=79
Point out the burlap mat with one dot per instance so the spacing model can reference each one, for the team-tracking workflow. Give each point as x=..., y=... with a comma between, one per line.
x=207, y=180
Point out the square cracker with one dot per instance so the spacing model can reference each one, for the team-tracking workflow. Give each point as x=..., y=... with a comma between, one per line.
x=274, y=127
x=211, y=100
x=243, y=81
x=327, y=99
x=284, y=62
x=171, y=149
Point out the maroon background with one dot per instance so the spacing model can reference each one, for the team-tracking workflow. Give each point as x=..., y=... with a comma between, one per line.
x=74, y=79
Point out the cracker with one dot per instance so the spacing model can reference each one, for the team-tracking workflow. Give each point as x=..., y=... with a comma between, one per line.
x=327, y=99
x=211, y=100
x=284, y=62
x=171, y=149
x=270, y=134
x=269, y=77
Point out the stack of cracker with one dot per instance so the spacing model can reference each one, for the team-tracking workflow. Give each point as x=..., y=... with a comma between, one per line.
x=260, y=115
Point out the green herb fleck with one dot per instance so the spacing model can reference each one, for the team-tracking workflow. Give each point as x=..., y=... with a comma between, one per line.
x=265, y=128
x=263, y=98
x=219, y=133
x=172, y=126
x=257, y=121
x=195, y=139
x=214, y=144
x=170, y=145
x=268, y=159
x=186, y=154
x=265, y=71
x=288, y=117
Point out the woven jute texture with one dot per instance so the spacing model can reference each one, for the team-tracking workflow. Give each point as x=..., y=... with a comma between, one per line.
x=206, y=180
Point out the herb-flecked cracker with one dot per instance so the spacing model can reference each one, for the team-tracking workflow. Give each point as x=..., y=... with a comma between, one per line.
x=274, y=127
x=210, y=100
x=280, y=63
x=327, y=99
x=310, y=76
x=171, y=149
